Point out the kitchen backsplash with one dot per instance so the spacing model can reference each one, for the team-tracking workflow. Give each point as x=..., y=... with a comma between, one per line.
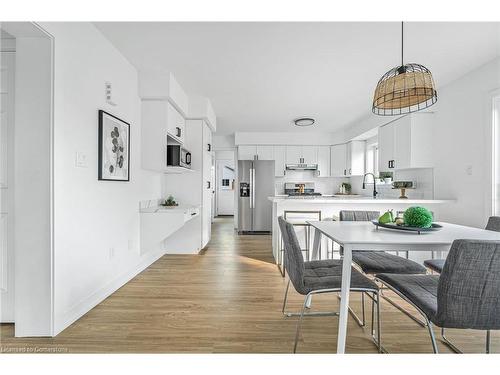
x=323, y=185
x=423, y=179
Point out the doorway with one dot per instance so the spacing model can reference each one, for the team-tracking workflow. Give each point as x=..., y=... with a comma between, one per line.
x=225, y=183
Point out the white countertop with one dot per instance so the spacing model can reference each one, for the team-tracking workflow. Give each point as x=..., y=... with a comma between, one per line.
x=169, y=209
x=362, y=200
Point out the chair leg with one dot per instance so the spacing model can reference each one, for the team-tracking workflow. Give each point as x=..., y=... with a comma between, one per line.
x=433, y=338
x=363, y=308
x=299, y=324
x=449, y=343
x=379, y=324
x=286, y=296
x=488, y=341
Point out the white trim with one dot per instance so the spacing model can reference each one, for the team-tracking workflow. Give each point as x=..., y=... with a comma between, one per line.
x=492, y=152
x=88, y=303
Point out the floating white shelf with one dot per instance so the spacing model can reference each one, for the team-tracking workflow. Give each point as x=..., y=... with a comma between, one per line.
x=178, y=170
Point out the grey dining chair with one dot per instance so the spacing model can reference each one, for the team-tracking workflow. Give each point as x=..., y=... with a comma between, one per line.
x=374, y=262
x=318, y=277
x=437, y=265
x=465, y=296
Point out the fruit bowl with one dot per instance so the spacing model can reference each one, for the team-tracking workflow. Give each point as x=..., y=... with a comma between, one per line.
x=434, y=227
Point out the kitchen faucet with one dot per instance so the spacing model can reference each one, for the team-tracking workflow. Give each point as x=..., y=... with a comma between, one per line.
x=375, y=192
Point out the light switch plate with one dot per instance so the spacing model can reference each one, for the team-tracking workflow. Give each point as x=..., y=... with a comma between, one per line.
x=468, y=170
x=81, y=160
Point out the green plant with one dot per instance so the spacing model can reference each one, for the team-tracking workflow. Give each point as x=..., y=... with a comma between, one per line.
x=383, y=175
x=170, y=201
x=419, y=217
x=347, y=186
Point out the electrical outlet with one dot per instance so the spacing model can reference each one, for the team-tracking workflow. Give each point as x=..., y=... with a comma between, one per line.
x=468, y=170
x=81, y=160
x=111, y=252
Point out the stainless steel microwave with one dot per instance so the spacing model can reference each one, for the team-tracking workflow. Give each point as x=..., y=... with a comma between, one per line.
x=177, y=156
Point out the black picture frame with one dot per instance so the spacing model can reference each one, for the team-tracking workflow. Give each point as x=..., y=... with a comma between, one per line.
x=112, y=147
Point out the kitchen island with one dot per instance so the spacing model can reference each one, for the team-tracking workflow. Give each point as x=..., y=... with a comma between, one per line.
x=330, y=206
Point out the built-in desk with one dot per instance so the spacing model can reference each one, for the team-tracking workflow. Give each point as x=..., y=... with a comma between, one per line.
x=158, y=223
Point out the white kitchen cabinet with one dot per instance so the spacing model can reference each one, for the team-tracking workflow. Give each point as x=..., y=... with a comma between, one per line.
x=385, y=147
x=264, y=152
x=355, y=158
x=406, y=143
x=207, y=186
x=301, y=154
x=323, y=161
x=279, y=153
x=338, y=160
x=348, y=159
x=293, y=154
x=247, y=152
x=176, y=124
x=310, y=154
x=161, y=124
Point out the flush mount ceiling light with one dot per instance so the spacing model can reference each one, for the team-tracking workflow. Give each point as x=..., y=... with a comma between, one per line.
x=404, y=89
x=304, y=121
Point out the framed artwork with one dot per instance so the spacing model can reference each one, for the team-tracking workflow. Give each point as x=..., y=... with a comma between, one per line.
x=114, y=148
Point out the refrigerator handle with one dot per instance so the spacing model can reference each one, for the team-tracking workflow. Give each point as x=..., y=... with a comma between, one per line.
x=251, y=186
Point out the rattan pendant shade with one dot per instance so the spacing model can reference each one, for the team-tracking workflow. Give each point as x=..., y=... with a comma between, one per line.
x=404, y=89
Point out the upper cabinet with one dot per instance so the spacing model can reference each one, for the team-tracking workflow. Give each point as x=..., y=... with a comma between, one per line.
x=406, y=143
x=176, y=124
x=279, y=160
x=264, y=152
x=247, y=152
x=348, y=159
x=323, y=161
x=163, y=87
x=301, y=154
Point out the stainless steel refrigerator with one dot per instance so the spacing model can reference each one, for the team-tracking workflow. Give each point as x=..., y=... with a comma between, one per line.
x=256, y=185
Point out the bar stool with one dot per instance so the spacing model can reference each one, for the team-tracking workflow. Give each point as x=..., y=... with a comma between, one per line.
x=298, y=218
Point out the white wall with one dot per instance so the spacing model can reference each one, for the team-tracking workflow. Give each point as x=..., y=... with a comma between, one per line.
x=92, y=217
x=463, y=138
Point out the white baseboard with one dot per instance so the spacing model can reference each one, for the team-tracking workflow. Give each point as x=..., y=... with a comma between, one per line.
x=87, y=304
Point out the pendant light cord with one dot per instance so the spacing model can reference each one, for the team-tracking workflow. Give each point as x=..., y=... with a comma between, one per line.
x=402, y=42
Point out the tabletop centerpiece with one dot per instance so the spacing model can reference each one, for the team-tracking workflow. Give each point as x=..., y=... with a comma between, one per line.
x=415, y=219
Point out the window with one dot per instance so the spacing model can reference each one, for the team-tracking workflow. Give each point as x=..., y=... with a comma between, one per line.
x=372, y=158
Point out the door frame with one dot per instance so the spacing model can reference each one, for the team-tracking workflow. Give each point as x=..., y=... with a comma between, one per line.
x=29, y=321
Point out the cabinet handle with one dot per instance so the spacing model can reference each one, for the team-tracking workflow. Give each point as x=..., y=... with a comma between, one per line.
x=350, y=171
x=345, y=172
x=209, y=148
x=389, y=163
x=179, y=131
x=319, y=173
x=393, y=164
x=208, y=184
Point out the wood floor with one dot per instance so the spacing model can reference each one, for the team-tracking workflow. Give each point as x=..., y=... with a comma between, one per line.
x=225, y=300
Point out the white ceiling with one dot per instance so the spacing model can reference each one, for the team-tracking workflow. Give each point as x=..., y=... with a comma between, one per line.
x=260, y=76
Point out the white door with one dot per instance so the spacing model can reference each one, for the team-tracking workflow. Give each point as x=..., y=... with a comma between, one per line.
x=402, y=143
x=293, y=154
x=279, y=153
x=264, y=152
x=7, y=64
x=246, y=152
x=323, y=161
x=386, y=147
x=310, y=154
x=338, y=160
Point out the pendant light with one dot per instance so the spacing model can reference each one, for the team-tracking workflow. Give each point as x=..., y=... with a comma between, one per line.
x=404, y=89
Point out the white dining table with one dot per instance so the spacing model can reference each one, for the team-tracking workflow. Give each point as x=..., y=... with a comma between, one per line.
x=364, y=236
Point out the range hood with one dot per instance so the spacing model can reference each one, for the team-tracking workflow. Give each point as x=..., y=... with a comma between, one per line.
x=301, y=167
